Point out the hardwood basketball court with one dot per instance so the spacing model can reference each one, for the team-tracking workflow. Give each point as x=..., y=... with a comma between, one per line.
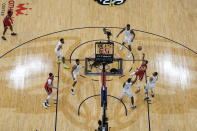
x=39, y=26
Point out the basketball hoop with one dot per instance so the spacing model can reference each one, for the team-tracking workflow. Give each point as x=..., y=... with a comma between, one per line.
x=101, y=67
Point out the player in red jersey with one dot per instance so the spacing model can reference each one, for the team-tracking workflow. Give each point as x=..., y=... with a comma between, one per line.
x=48, y=87
x=7, y=22
x=140, y=72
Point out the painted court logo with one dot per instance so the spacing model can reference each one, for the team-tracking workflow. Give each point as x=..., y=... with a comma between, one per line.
x=110, y=2
x=21, y=8
x=18, y=9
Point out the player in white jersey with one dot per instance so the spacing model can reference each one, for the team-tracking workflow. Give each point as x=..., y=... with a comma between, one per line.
x=75, y=72
x=129, y=37
x=59, y=53
x=127, y=86
x=150, y=85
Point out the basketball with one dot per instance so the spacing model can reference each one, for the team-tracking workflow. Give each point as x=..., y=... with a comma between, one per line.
x=139, y=48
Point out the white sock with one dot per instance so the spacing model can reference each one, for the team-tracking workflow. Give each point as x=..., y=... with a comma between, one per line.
x=72, y=87
x=64, y=64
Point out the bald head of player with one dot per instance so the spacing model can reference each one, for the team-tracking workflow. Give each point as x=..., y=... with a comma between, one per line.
x=62, y=40
x=77, y=61
x=155, y=74
x=145, y=62
x=128, y=26
x=129, y=80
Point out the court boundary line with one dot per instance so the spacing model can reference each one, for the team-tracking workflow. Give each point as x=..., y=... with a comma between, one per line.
x=148, y=108
x=57, y=97
x=100, y=95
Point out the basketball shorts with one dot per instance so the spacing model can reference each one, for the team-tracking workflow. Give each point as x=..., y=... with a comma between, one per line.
x=151, y=87
x=128, y=40
x=48, y=90
x=140, y=75
x=75, y=76
x=59, y=53
x=127, y=93
x=8, y=23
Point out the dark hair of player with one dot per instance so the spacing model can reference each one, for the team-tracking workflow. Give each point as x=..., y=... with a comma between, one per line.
x=61, y=39
x=155, y=74
x=77, y=60
x=9, y=12
x=129, y=80
x=99, y=122
x=50, y=74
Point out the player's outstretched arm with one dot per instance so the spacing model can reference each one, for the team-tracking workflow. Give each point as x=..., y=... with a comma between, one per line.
x=123, y=85
x=133, y=82
x=54, y=87
x=51, y=86
x=143, y=56
x=132, y=74
x=121, y=32
x=132, y=32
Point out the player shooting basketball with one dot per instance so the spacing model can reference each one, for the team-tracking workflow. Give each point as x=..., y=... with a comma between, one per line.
x=140, y=72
